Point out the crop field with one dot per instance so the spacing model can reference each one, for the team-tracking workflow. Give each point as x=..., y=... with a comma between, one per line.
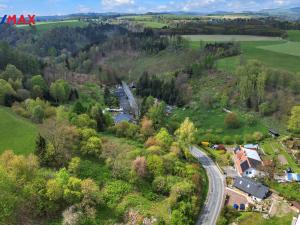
x=16, y=133
x=226, y=38
x=289, y=48
x=44, y=26
x=256, y=50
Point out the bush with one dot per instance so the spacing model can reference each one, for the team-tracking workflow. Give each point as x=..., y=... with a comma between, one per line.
x=258, y=136
x=114, y=191
x=238, y=139
x=232, y=121
x=251, y=120
x=248, y=138
x=228, y=140
x=155, y=165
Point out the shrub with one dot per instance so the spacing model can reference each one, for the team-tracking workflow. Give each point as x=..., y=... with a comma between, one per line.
x=114, y=191
x=93, y=146
x=238, y=139
x=232, y=121
x=139, y=166
x=251, y=120
x=258, y=136
x=155, y=150
x=228, y=140
x=83, y=121
x=248, y=138
x=155, y=165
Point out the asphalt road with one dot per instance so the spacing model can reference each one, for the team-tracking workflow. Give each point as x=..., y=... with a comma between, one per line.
x=215, y=195
x=132, y=102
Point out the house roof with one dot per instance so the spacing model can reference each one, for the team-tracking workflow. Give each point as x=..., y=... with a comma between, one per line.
x=123, y=117
x=251, y=187
x=247, y=158
x=296, y=204
x=251, y=146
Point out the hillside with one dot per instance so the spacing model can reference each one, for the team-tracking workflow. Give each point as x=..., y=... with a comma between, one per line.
x=16, y=133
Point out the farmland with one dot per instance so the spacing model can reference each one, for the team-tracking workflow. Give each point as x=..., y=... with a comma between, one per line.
x=289, y=48
x=224, y=38
x=273, y=51
x=16, y=133
x=44, y=26
x=254, y=50
x=294, y=35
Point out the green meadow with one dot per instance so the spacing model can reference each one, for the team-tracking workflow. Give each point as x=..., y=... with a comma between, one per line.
x=44, y=26
x=274, y=54
x=294, y=35
x=289, y=48
x=16, y=133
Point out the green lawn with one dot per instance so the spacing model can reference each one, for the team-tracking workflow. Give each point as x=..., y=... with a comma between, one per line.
x=294, y=35
x=257, y=219
x=16, y=133
x=289, y=48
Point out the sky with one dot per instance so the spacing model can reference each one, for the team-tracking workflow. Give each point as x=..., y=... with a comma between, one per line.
x=63, y=7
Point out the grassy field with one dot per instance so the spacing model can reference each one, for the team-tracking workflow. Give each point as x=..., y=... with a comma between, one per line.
x=44, y=26
x=254, y=50
x=16, y=133
x=289, y=48
x=294, y=35
x=132, y=66
x=225, y=38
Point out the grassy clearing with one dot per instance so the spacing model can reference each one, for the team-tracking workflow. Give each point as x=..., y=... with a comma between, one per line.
x=212, y=122
x=253, y=50
x=294, y=35
x=132, y=66
x=16, y=133
x=289, y=48
x=226, y=38
x=257, y=219
x=153, y=24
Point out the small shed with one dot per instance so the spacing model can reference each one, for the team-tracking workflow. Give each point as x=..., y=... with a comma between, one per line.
x=292, y=177
x=274, y=133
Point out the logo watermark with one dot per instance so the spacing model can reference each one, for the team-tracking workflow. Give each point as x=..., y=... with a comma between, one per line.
x=18, y=20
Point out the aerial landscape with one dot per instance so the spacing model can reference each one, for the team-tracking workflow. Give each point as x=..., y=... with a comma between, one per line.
x=153, y=112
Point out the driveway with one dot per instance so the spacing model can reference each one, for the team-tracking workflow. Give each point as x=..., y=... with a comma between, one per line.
x=215, y=196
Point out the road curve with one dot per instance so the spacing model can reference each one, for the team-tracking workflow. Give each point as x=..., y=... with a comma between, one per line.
x=215, y=195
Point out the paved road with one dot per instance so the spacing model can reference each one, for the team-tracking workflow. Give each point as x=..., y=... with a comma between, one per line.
x=215, y=195
x=131, y=99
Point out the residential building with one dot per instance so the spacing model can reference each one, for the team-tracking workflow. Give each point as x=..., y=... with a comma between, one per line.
x=247, y=162
x=255, y=190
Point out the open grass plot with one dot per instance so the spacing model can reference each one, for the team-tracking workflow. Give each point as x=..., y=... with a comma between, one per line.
x=16, y=133
x=258, y=50
x=44, y=26
x=226, y=38
x=289, y=48
x=294, y=35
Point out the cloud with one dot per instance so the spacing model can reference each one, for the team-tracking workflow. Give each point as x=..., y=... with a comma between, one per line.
x=110, y=4
x=83, y=9
x=3, y=6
